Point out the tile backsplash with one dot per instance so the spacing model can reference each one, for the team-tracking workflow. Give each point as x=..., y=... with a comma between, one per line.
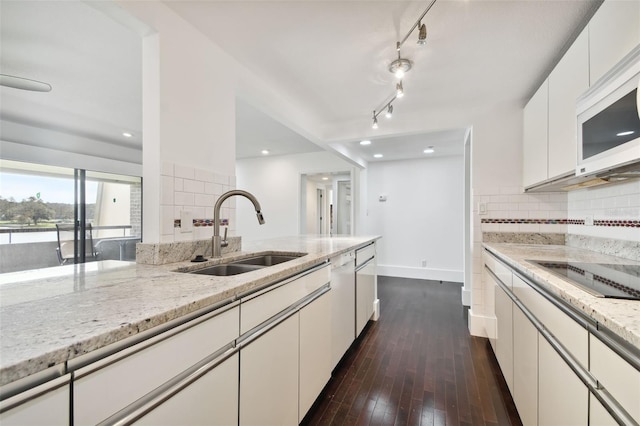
x=194, y=190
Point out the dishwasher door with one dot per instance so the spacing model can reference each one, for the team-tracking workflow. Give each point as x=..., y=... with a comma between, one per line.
x=365, y=293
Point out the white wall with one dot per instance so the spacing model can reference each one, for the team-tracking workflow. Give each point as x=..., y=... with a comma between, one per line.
x=422, y=218
x=275, y=181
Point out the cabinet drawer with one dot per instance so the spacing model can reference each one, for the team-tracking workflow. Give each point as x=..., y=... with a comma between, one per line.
x=47, y=404
x=617, y=376
x=260, y=307
x=573, y=336
x=500, y=270
x=365, y=253
x=106, y=386
x=342, y=259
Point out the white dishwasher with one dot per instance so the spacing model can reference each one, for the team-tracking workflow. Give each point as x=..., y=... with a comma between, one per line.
x=365, y=285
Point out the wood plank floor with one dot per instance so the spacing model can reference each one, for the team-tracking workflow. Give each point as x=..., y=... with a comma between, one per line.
x=417, y=365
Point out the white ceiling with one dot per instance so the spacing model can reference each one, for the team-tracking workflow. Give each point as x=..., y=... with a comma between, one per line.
x=329, y=57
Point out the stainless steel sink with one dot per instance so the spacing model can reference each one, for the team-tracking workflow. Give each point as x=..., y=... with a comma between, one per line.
x=267, y=259
x=246, y=265
x=226, y=269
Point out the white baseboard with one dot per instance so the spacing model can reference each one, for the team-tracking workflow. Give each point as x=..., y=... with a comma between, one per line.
x=420, y=273
x=480, y=325
x=466, y=297
x=376, y=310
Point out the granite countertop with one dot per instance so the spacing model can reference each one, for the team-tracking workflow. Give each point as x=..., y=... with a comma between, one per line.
x=52, y=315
x=618, y=315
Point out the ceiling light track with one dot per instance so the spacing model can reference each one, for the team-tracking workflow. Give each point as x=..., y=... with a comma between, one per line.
x=399, y=67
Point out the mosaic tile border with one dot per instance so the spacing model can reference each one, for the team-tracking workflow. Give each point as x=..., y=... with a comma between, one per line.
x=610, y=223
x=177, y=223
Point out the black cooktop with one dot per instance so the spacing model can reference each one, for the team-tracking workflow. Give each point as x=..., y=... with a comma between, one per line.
x=599, y=279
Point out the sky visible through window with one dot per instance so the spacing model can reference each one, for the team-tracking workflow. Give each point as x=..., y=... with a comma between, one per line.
x=50, y=189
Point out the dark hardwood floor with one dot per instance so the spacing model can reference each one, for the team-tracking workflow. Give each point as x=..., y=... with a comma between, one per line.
x=417, y=365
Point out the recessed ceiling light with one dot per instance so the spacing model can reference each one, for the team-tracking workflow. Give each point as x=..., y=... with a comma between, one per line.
x=630, y=132
x=127, y=134
x=378, y=155
x=365, y=142
x=325, y=178
x=429, y=150
x=265, y=152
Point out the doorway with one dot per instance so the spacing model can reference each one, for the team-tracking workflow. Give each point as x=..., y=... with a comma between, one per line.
x=326, y=203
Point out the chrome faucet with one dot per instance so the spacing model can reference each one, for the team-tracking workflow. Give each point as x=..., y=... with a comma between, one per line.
x=217, y=243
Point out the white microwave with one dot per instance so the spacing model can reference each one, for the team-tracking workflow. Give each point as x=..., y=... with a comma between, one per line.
x=609, y=119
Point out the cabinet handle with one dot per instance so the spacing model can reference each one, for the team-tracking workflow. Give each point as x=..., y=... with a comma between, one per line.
x=147, y=403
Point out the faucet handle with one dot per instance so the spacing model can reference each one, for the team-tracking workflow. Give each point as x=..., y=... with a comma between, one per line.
x=224, y=242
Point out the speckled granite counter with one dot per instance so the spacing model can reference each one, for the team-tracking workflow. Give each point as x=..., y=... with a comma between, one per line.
x=49, y=316
x=620, y=316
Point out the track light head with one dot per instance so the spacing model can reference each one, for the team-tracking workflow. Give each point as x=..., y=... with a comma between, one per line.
x=400, y=66
x=375, y=120
x=422, y=34
x=389, y=112
x=399, y=90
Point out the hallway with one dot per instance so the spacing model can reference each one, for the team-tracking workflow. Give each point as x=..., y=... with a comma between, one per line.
x=417, y=365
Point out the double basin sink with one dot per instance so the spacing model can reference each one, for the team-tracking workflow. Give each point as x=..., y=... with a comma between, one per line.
x=247, y=265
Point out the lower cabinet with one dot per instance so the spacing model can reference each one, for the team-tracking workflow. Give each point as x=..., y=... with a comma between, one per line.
x=525, y=368
x=269, y=377
x=343, y=305
x=210, y=400
x=47, y=404
x=503, y=346
x=563, y=398
x=365, y=294
x=598, y=415
x=315, y=357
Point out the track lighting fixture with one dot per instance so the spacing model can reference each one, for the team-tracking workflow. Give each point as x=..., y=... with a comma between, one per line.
x=422, y=34
x=400, y=66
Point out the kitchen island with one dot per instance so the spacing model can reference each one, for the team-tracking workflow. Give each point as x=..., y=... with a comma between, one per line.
x=567, y=355
x=51, y=317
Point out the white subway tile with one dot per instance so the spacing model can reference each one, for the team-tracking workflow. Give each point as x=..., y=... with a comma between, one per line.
x=210, y=188
x=203, y=200
x=167, y=238
x=539, y=214
x=194, y=186
x=184, y=198
x=490, y=227
x=166, y=220
x=221, y=179
x=509, y=227
x=166, y=169
x=553, y=229
x=184, y=171
x=203, y=175
x=178, y=184
x=529, y=227
x=198, y=212
x=166, y=190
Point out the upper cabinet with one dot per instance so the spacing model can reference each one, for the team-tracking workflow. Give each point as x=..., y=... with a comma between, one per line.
x=568, y=80
x=550, y=127
x=613, y=31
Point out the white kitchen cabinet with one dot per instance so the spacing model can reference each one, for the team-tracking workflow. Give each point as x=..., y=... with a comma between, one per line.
x=614, y=30
x=343, y=305
x=568, y=80
x=504, y=334
x=210, y=400
x=617, y=376
x=563, y=399
x=105, y=387
x=269, y=377
x=535, y=137
x=315, y=351
x=46, y=404
x=598, y=415
x=525, y=368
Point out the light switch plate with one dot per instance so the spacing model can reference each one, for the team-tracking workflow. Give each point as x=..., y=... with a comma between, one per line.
x=186, y=221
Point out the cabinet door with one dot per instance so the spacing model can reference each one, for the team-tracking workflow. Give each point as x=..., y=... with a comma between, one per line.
x=343, y=309
x=567, y=81
x=365, y=284
x=269, y=377
x=535, y=138
x=525, y=368
x=47, y=404
x=210, y=400
x=613, y=31
x=563, y=398
x=315, y=351
x=598, y=415
x=504, y=334
x=617, y=376
x=107, y=386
